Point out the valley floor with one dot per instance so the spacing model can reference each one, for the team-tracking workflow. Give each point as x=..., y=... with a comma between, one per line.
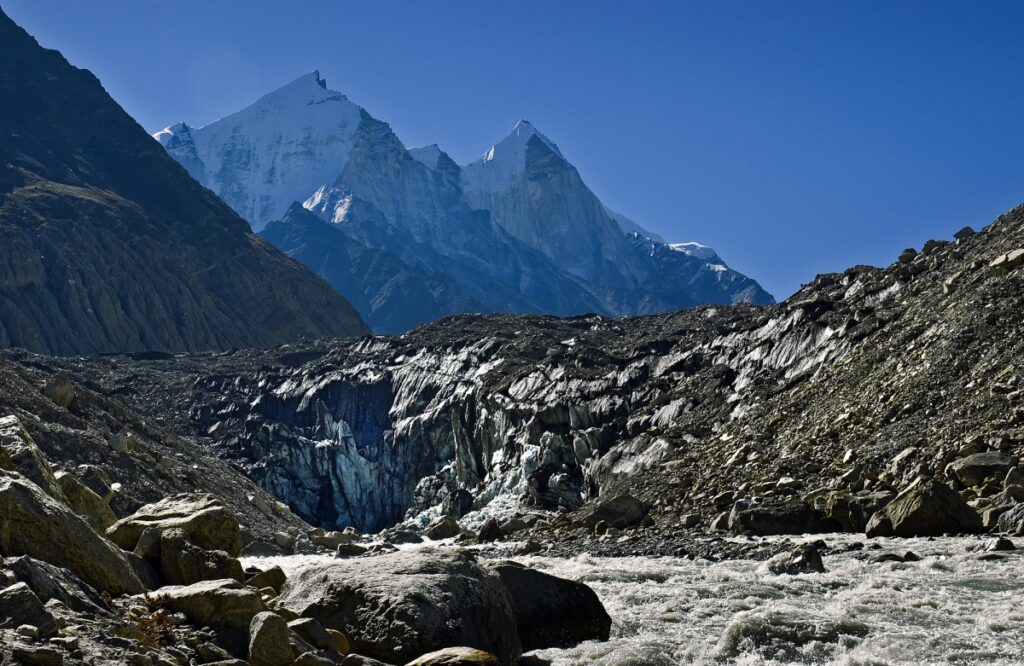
x=957, y=605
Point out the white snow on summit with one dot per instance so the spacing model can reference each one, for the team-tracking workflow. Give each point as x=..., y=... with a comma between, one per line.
x=278, y=150
x=697, y=250
x=503, y=163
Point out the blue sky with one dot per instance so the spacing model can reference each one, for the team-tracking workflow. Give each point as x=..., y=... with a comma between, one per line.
x=794, y=137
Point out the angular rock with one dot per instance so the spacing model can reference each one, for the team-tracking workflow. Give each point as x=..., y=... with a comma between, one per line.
x=269, y=641
x=33, y=523
x=780, y=518
x=85, y=502
x=183, y=563
x=1011, y=521
x=974, y=469
x=19, y=453
x=19, y=605
x=457, y=656
x=853, y=510
x=927, y=508
x=396, y=607
x=214, y=603
x=444, y=527
x=206, y=521
x=50, y=582
x=36, y=655
x=620, y=511
x=490, y=531
x=273, y=577
x=805, y=558
x=311, y=631
x=552, y=612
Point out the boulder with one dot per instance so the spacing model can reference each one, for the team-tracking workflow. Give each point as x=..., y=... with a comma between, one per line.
x=273, y=578
x=269, y=641
x=399, y=606
x=444, y=527
x=19, y=605
x=621, y=511
x=805, y=558
x=183, y=563
x=552, y=612
x=36, y=655
x=457, y=503
x=19, y=453
x=926, y=508
x=33, y=523
x=207, y=522
x=853, y=510
x=1011, y=521
x=85, y=502
x=50, y=582
x=457, y=656
x=60, y=390
x=214, y=603
x=310, y=630
x=974, y=469
x=489, y=531
x=779, y=518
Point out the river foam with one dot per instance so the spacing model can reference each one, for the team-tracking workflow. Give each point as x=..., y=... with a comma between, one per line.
x=948, y=608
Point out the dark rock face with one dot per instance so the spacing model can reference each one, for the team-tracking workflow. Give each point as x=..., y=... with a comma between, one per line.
x=552, y=612
x=783, y=518
x=18, y=605
x=106, y=244
x=397, y=607
x=621, y=511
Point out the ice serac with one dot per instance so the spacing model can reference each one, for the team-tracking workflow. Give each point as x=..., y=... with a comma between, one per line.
x=516, y=231
x=107, y=245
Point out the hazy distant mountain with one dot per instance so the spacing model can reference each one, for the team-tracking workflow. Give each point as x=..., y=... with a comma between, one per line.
x=518, y=230
x=107, y=245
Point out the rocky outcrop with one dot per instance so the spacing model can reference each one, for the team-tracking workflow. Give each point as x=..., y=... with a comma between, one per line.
x=85, y=502
x=106, y=244
x=552, y=612
x=397, y=607
x=19, y=453
x=33, y=523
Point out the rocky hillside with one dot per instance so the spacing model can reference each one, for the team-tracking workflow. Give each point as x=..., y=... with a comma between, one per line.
x=515, y=231
x=106, y=243
x=861, y=383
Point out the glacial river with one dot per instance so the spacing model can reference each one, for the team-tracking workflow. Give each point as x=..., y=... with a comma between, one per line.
x=948, y=608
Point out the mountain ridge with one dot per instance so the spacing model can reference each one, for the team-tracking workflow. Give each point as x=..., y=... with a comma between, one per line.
x=518, y=229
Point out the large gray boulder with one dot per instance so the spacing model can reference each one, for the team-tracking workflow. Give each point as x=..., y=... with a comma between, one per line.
x=269, y=641
x=1011, y=521
x=974, y=469
x=399, y=606
x=926, y=508
x=183, y=563
x=206, y=521
x=19, y=605
x=621, y=511
x=33, y=523
x=50, y=582
x=212, y=603
x=779, y=518
x=552, y=612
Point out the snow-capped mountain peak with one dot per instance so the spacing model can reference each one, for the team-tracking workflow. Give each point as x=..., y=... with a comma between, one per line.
x=278, y=150
x=697, y=250
x=503, y=163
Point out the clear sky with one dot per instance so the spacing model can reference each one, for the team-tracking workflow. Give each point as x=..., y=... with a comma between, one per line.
x=794, y=137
